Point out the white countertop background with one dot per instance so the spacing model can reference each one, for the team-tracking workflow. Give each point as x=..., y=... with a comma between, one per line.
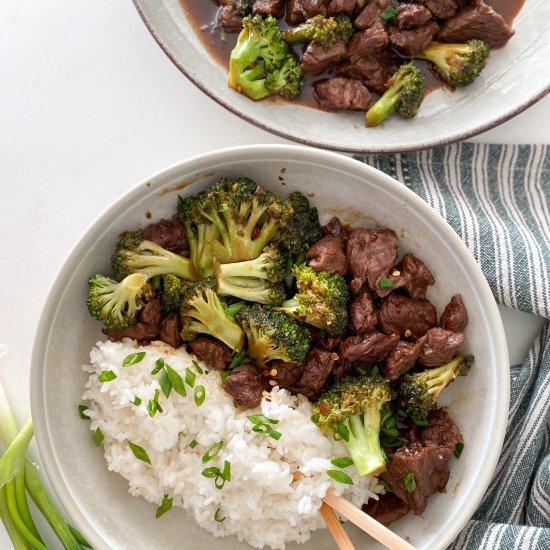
x=89, y=107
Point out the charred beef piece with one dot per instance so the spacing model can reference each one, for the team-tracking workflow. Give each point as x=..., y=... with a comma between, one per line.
x=327, y=254
x=245, y=386
x=370, y=13
x=412, y=276
x=319, y=365
x=441, y=430
x=287, y=374
x=371, y=255
x=298, y=11
x=427, y=463
x=373, y=70
x=170, y=330
x=335, y=227
x=476, y=21
x=412, y=41
x=317, y=60
x=454, y=316
x=439, y=347
x=151, y=314
x=228, y=19
x=370, y=348
x=275, y=8
x=169, y=234
x=386, y=509
x=342, y=94
x=401, y=359
x=363, y=313
x=341, y=6
x=407, y=317
x=368, y=41
x=442, y=9
x=211, y=352
x=146, y=329
x=410, y=16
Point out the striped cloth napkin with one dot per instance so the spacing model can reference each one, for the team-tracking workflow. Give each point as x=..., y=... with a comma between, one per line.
x=497, y=198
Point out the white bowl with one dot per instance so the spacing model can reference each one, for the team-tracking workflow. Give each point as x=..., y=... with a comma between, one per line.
x=98, y=501
x=516, y=77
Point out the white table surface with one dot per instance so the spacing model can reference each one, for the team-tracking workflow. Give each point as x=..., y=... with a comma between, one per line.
x=89, y=107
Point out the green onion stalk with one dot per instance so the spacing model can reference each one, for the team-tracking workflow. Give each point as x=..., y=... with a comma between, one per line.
x=18, y=476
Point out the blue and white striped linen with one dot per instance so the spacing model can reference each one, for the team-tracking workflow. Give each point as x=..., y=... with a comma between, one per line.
x=497, y=198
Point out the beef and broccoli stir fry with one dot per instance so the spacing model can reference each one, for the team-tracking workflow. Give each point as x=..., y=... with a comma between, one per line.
x=356, y=55
x=258, y=290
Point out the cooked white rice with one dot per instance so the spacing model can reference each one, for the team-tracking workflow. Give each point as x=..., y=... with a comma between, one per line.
x=276, y=487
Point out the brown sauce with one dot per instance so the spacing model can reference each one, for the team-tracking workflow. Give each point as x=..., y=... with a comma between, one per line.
x=202, y=14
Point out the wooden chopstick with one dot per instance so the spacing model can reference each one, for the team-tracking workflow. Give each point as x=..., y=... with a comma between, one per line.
x=335, y=527
x=365, y=522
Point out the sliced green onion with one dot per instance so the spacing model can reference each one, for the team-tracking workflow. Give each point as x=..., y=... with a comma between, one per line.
x=315, y=418
x=83, y=415
x=197, y=366
x=106, y=376
x=261, y=428
x=136, y=401
x=200, y=395
x=384, y=283
x=212, y=452
x=98, y=437
x=261, y=419
x=388, y=14
x=193, y=443
x=176, y=380
x=275, y=434
x=235, y=308
x=190, y=377
x=410, y=483
x=165, y=384
x=239, y=359
x=133, y=358
x=139, y=452
x=159, y=364
x=226, y=470
x=224, y=375
x=459, y=447
x=342, y=430
x=153, y=405
x=165, y=505
x=342, y=462
x=339, y=476
x=386, y=485
x=213, y=471
x=217, y=516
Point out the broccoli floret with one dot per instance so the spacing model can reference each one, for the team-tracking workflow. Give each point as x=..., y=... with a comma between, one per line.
x=457, y=64
x=322, y=300
x=258, y=280
x=262, y=63
x=300, y=224
x=117, y=304
x=133, y=254
x=172, y=289
x=242, y=8
x=273, y=335
x=351, y=411
x=418, y=392
x=327, y=30
x=404, y=96
x=202, y=312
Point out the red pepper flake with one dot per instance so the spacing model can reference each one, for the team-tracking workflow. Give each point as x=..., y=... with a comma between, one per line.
x=324, y=408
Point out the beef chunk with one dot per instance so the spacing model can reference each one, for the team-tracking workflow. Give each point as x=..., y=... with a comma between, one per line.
x=442, y=9
x=439, y=347
x=441, y=430
x=363, y=313
x=427, y=463
x=370, y=13
x=386, y=509
x=169, y=234
x=298, y=11
x=373, y=70
x=407, y=317
x=335, y=227
x=341, y=6
x=412, y=41
x=412, y=276
x=370, y=348
x=476, y=21
x=326, y=342
x=211, y=352
x=245, y=386
x=371, y=255
x=287, y=374
x=275, y=8
x=319, y=365
x=401, y=359
x=410, y=16
x=342, y=94
x=151, y=314
x=317, y=60
x=371, y=40
x=454, y=316
x=170, y=330
x=327, y=254
x=228, y=19
x=140, y=332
